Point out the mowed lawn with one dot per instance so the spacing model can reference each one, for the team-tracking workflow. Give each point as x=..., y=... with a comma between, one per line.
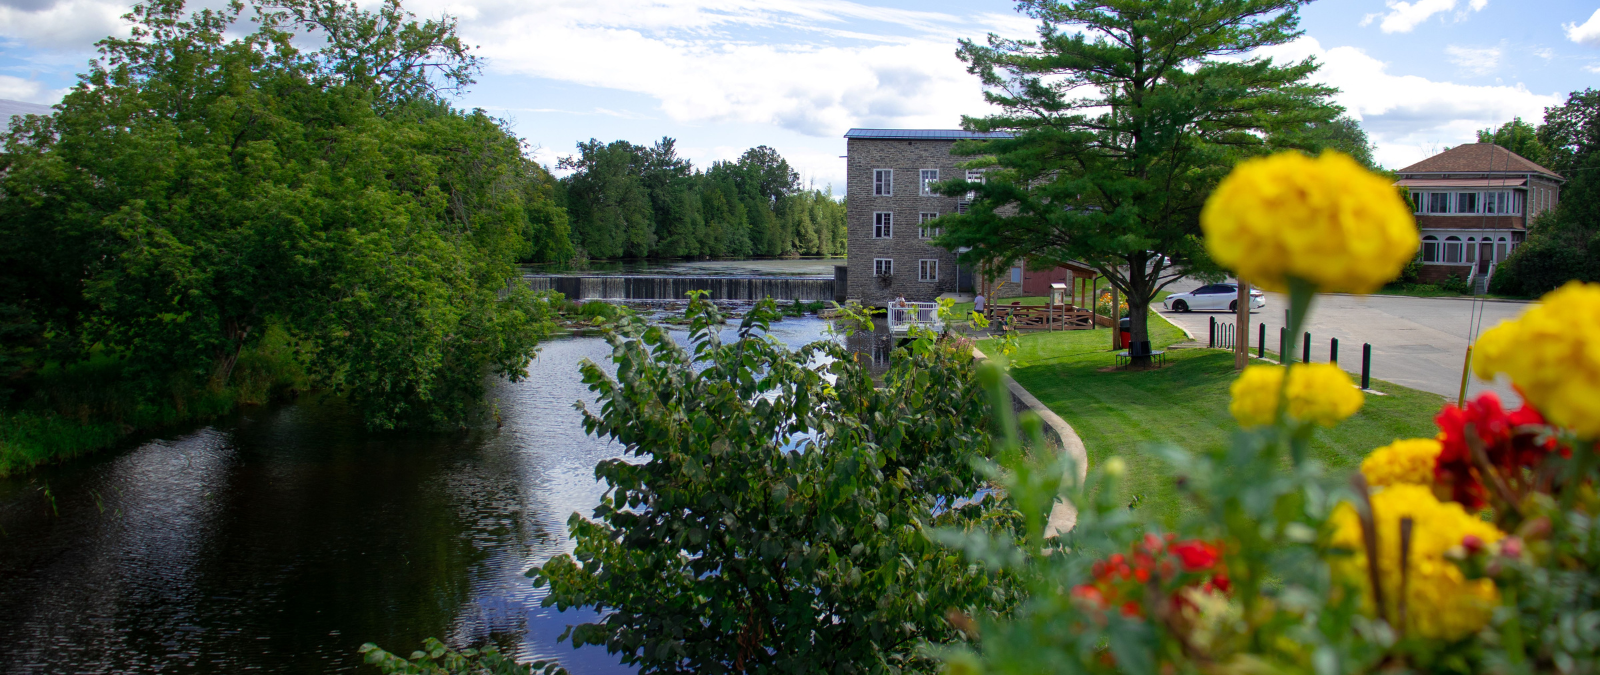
x=1120, y=412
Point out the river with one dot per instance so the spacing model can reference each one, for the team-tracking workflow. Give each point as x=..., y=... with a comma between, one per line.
x=283, y=537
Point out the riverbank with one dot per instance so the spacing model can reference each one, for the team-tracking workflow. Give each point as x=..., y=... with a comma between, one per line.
x=86, y=407
x=1124, y=413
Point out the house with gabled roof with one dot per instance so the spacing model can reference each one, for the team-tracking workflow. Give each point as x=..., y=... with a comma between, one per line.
x=1473, y=204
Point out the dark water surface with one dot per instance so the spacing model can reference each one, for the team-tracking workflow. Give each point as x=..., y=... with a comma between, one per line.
x=282, y=538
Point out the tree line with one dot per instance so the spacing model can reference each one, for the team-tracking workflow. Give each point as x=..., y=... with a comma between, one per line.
x=633, y=201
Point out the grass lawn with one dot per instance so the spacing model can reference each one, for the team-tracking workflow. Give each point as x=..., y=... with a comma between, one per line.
x=1186, y=403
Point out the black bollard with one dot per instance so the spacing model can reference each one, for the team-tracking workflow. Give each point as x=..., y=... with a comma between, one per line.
x=1305, y=350
x=1366, y=366
x=1283, y=341
x=1261, y=342
x=1212, y=341
x=1333, y=352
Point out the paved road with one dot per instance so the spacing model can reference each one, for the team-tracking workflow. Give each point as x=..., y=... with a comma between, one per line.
x=1416, y=342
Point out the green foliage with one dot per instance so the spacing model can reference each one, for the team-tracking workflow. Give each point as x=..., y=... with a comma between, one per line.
x=773, y=515
x=1342, y=134
x=194, y=189
x=437, y=659
x=81, y=407
x=632, y=201
x=1519, y=137
x=1125, y=115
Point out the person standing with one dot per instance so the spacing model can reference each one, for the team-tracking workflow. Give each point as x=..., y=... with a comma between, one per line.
x=978, y=303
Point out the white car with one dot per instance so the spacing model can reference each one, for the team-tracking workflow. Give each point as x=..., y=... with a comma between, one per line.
x=1212, y=298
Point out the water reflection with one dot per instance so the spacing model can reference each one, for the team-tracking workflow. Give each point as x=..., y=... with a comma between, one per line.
x=282, y=538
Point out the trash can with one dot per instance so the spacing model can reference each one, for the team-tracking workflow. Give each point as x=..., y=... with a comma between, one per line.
x=1124, y=332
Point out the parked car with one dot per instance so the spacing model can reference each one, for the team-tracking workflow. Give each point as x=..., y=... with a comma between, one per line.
x=1215, y=297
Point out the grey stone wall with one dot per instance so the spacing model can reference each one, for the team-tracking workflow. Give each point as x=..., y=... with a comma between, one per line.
x=907, y=159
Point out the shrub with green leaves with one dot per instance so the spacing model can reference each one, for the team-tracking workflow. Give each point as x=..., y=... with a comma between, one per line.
x=774, y=514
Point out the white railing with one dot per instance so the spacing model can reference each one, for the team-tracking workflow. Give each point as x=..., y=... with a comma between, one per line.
x=902, y=316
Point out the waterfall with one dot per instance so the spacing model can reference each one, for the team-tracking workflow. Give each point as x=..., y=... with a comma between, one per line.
x=677, y=288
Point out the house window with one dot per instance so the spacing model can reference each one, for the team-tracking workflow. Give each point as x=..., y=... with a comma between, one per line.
x=882, y=267
x=1430, y=249
x=929, y=177
x=1416, y=202
x=1438, y=202
x=1500, y=250
x=1472, y=249
x=882, y=182
x=882, y=225
x=1016, y=274
x=1452, y=249
x=925, y=232
x=973, y=176
x=927, y=270
x=1517, y=200
x=1466, y=202
x=961, y=207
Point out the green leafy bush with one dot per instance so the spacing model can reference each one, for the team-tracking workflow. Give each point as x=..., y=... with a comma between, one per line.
x=1540, y=265
x=774, y=515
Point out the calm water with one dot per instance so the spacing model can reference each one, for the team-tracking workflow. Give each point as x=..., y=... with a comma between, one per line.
x=284, y=537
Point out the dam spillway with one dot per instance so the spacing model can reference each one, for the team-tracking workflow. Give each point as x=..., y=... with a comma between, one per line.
x=809, y=289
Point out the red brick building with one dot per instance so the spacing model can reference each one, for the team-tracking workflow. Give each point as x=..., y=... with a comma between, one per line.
x=1473, y=204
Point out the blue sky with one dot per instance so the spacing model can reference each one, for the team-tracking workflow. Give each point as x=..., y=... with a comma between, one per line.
x=724, y=75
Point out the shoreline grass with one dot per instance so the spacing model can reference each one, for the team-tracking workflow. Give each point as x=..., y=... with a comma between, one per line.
x=1120, y=412
x=91, y=406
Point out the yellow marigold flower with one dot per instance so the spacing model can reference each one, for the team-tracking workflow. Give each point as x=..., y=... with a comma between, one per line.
x=1552, y=354
x=1406, y=462
x=1441, y=602
x=1318, y=392
x=1328, y=221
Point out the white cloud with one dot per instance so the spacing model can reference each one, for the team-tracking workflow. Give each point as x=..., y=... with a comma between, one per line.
x=1402, y=17
x=1586, y=34
x=1478, y=61
x=30, y=91
x=62, y=25
x=810, y=71
x=1410, y=117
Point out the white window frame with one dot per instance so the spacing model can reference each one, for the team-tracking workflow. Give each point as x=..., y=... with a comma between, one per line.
x=1461, y=199
x=973, y=176
x=883, y=267
x=1417, y=201
x=925, y=232
x=1432, y=249
x=1471, y=250
x=883, y=182
x=1500, y=250
x=882, y=224
x=1441, y=199
x=929, y=177
x=1453, y=251
x=962, y=207
x=1016, y=274
x=928, y=269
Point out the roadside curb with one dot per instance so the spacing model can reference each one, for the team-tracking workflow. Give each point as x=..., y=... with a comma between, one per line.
x=1064, y=516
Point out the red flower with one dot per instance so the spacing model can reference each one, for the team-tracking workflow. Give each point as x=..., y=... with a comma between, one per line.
x=1510, y=442
x=1196, y=555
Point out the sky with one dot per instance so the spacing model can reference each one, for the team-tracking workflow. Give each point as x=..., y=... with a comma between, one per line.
x=721, y=76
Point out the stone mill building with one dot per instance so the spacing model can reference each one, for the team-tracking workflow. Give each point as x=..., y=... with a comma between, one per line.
x=889, y=176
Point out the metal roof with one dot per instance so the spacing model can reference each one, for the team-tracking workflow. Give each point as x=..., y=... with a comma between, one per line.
x=924, y=134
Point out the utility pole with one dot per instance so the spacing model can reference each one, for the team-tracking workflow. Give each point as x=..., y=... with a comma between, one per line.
x=1241, y=345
